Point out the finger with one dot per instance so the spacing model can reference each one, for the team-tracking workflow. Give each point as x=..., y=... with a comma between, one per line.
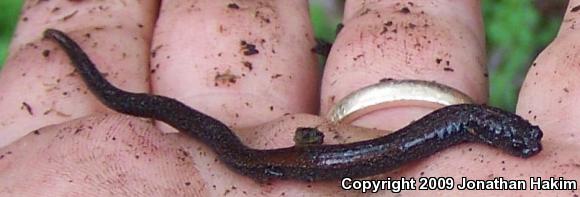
x=548, y=98
x=403, y=40
x=427, y=40
x=38, y=86
x=243, y=62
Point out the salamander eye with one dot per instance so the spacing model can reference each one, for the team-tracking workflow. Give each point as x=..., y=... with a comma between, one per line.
x=517, y=143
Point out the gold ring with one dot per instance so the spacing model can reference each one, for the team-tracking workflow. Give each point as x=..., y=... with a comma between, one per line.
x=398, y=93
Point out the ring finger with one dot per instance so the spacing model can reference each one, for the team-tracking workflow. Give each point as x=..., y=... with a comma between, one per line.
x=436, y=40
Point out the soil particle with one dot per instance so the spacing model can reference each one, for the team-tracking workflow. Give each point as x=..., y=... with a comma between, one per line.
x=27, y=107
x=233, y=6
x=248, y=49
x=576, y=8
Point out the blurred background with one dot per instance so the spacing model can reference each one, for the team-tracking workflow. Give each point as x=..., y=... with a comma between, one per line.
x=516, y=31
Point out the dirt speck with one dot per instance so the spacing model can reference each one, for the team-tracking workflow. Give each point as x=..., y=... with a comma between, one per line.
x=276, y=76
x=248, y=65
x=46, y=53
x=248, y=49
x=27, y=107
x=405, y=10
x=65, y=18
x=576, y=8
x=385, y=80
x=226, y=78
x=233, y=6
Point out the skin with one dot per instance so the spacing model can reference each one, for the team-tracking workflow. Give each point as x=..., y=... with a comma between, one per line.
x=92, y=151
x=309, y=159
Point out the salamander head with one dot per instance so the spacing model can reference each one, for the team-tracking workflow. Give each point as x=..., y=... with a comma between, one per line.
x=522, y=140
x=506, y=131
x=526, y=141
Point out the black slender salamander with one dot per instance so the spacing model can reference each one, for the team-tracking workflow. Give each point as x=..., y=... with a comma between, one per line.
x=313, y=161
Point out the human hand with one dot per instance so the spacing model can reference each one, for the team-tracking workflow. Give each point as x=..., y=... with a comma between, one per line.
x=115, y=154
